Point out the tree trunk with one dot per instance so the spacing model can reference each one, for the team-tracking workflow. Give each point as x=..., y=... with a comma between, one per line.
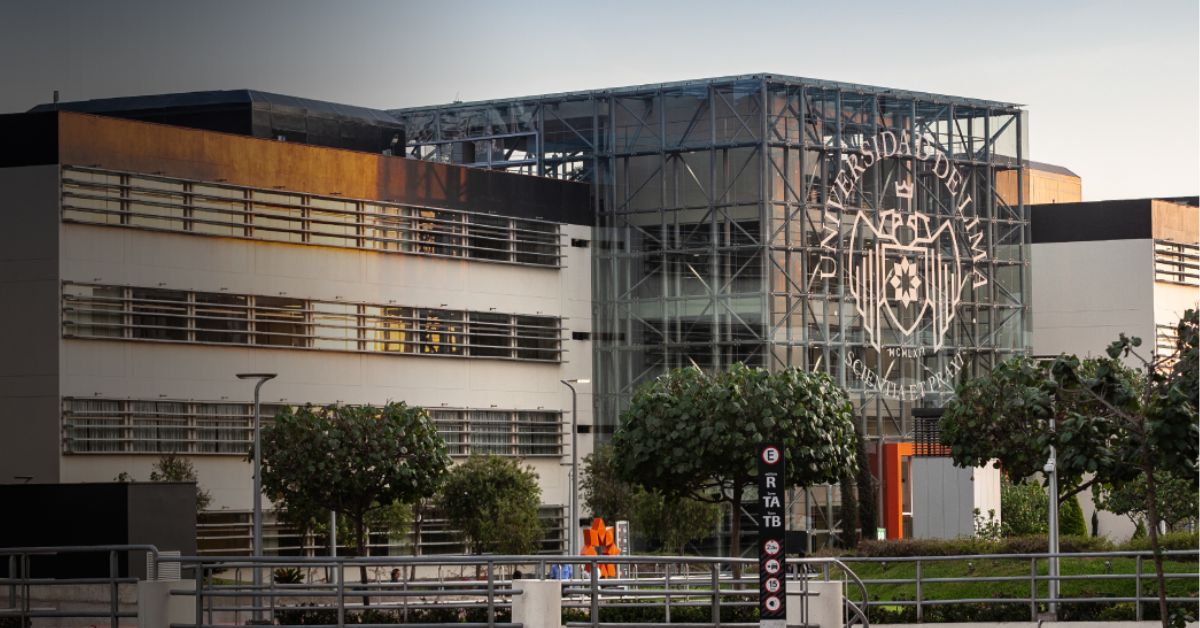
x=849, y=513
x=1152, y=530
x=360, y=542
x=735, y=532
x=416, y=548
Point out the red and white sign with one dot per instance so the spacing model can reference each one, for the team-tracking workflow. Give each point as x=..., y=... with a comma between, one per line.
x=771, y=455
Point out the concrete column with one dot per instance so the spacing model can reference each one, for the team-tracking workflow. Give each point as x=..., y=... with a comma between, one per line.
x=825, y=608
x=158, y=608
x=539, y=605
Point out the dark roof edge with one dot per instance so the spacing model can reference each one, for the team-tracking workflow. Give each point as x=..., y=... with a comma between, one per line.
x=775, y=78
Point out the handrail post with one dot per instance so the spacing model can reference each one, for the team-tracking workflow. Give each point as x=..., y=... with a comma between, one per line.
x=339, y=577
x=491, y=593
x=920, y=615
x=113, y=601
x=595, y=591
x=667, y=592
x=199, y=594
x=1033, y=589
x=1137, y=588
x=716, y=594
x=26, y=576
x=12, y=585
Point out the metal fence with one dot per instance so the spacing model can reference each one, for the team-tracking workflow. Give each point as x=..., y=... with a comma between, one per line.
x=479, y=590
x=27, y=579
x=918, y=584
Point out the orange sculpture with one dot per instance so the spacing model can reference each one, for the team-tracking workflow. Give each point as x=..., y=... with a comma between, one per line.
x=600, y=540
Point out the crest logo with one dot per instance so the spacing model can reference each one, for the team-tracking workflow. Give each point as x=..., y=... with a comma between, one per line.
x=904, y=271
x=907, y=260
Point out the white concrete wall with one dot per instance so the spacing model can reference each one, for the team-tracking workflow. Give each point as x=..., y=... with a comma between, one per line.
x=178, y=371
x=1085, y=294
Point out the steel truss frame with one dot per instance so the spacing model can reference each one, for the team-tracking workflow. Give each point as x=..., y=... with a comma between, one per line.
x=710, y=204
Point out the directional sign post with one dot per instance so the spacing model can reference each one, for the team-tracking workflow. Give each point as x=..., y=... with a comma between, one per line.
x=772, y=594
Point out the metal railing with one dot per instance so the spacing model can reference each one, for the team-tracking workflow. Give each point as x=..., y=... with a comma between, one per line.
x=1143, y=577
x=479, y=591
x=23, y=583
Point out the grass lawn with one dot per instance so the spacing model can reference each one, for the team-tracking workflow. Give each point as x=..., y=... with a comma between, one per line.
x=1097, y=578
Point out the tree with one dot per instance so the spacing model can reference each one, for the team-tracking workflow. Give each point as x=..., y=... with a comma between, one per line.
x=493, y=502
x=355, y=460
x=688, y=433
x=1177, y=499
x=1102, y=417
x=1152, y=419
x=172, y=468
x=604, y=493
x=673, y=521
x=1014, y=414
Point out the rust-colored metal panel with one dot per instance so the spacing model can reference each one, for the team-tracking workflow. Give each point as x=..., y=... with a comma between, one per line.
x=116, y=144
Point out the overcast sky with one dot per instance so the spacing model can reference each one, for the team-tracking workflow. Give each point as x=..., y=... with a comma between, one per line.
x=1112, y=87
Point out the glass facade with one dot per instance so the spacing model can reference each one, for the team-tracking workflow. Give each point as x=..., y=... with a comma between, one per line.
x=781, y=222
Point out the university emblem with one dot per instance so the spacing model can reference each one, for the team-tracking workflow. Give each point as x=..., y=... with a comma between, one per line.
x=904, y=271
x=905, y=264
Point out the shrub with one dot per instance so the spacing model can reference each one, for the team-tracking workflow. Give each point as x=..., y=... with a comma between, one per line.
x=1169, y=541
x=1025, y=508
x=958, y=547
x=1070, y=519
x=288, y=575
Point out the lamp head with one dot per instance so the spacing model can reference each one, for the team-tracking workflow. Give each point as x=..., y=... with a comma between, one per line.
x=262, y=376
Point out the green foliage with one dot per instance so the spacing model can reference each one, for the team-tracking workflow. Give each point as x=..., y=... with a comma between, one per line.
x=1177, y=499
x=172, y=468
x=1024, y=507
x=958, y=547
x=986, y=528
x=604, y=493
x=1139, y=531
x=1006, y=415
x=493, y=502
x=690, y=433
x=1182, y=540
x=673, y=521
x=1070, y=518
x=351, y=459
x=288, y=575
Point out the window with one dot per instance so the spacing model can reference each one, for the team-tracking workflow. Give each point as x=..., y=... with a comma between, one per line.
x=224, y=428
x=491, y=432
x=280, y=322
x=94, y=311
x=489, y=237
x=440, y=331
x=221, y=318
x=165, y=204
x=159, y=426
x=538, y=338
x=159, y=314
x=538, y=433
x=163, y=315
x=491, y=335
x=94, y=425
x=391, y=329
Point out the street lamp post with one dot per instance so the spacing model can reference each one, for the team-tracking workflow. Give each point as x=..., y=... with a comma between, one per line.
x=257, y=550
x=572, y=542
